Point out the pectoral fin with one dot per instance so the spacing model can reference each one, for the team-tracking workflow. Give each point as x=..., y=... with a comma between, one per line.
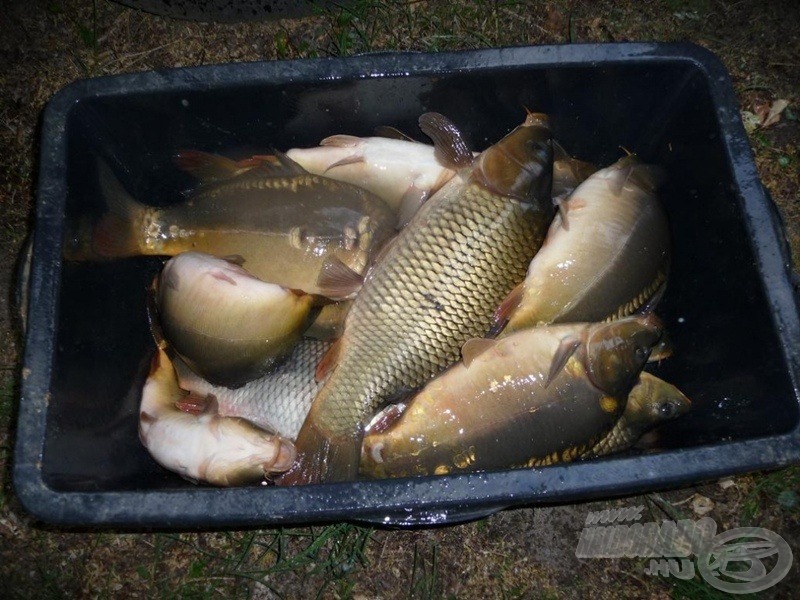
x=195, y=404
x=341, y=141
x=392, y=133
x=337, y=281
x=565, y=350
x=506, y=309
x=410, y=204
x=473, y=348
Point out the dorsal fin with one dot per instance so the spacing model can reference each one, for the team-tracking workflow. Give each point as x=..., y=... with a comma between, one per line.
x=474, y=347
x=451, y=149
x=206, y=166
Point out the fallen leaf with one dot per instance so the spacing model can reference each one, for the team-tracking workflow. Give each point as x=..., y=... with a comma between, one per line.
x=702, y=505
x=726, y=483
x=751, y=121
x=774, y=114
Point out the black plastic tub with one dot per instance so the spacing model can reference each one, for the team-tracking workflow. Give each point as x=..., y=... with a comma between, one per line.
x=730, y=307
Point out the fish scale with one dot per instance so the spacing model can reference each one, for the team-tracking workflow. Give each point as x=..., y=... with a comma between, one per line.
x=436, y=285
x=474, y=239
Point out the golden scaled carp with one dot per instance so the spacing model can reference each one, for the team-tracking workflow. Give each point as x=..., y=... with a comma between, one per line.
x=543, y=394
x=286, y=224
x=434, y=287
x=402, y=172
x=651, y=402
x=205, y=446
x=606, y=254
x=228, y=326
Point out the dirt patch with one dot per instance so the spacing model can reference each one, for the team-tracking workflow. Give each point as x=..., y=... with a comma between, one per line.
x=526, y=553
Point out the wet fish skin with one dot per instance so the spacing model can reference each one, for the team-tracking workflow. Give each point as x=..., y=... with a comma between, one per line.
x=204, y=447
x=651, y=402
x=568, y=173
x=227, y=325
x=506, y=407
x=433, y=288
x=402, y=172
x=282, y=221
x=278, y=401
x=610, y=261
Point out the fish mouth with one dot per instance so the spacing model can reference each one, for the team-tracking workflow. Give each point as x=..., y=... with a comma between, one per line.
x=284, y=457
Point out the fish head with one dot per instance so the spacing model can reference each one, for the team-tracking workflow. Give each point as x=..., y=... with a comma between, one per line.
x=520, y=165
x=238, y=452
x=653, y=401
x=616, y=352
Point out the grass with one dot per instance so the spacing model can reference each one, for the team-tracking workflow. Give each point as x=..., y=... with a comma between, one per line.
x=79, y=38
x=773, y=491
x=320, y=560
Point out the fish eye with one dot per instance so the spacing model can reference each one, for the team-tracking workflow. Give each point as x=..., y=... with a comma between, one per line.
x=666, y=410
x=641, y=353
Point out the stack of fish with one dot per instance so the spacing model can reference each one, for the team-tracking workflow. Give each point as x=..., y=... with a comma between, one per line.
x=379, y=307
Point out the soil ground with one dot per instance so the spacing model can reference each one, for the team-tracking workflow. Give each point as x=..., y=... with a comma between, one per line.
x=524, y=553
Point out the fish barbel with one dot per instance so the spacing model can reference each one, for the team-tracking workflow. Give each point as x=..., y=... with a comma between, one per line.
x=606, y=254
x=227, y=325
x=542, y=394
x=205, y=446
x=285, y=223
x=433, y=288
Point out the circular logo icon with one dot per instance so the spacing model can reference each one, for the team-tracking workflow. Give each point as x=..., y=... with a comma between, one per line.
x=733, y=561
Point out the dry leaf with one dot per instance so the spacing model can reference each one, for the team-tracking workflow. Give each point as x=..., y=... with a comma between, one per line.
x=761, y=109
x=751, y=121
x=702, y=505
x=726, y=483
x=774, y=114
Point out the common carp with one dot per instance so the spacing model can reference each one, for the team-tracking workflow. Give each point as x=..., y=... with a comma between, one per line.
x=285, y=223
x=543, y=394
x=227, y=325
x=403, y=172
x=606, y=254
x=205, y=446
x=277, y=401
x=651, y=402
x=434, y=287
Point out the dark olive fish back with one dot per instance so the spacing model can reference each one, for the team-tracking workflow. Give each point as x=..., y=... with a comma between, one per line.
x=438, y=288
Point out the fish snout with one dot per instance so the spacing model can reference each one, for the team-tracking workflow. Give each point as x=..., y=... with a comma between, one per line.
x=617, y=352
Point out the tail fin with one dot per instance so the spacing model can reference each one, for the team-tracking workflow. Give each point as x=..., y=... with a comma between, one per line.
x=115, y=235
x=323, y=458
